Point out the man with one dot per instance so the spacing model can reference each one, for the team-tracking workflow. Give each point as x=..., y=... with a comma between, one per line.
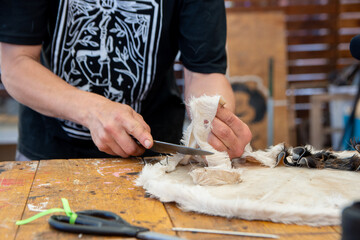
x=106, y=74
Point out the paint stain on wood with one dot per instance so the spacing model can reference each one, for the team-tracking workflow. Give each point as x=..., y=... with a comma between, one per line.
x=6, y=182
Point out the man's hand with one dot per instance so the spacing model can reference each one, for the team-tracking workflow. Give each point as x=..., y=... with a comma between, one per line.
x=229, y=133
x=113, y=127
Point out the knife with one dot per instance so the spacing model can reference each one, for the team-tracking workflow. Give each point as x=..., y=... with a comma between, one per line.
x=165, y=147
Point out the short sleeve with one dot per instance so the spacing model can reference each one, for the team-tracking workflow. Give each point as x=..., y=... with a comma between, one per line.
x=23, y=21
x=203, y=35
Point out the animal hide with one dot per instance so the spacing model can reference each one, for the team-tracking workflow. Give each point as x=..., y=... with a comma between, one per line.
x=268, y=191
x=282, y=194
x=217, y=169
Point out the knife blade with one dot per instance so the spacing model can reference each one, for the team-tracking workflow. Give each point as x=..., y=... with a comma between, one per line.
x=165, y=147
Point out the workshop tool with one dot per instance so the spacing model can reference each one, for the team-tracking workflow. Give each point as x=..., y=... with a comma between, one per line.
x=95, y=222
x=104, y=223
x=171, y=148
x=164, y=147
x=245, y=234
x=270, y=106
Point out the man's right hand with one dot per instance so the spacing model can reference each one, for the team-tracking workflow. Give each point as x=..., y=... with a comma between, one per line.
x=113, y=126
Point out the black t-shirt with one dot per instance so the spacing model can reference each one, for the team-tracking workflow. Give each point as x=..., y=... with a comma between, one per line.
x=123, y=50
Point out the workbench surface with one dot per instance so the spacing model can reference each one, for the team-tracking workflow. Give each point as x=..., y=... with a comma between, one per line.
x=108, y=184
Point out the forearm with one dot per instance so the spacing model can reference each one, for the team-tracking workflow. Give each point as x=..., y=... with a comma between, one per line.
x=112, y=125
x=33, y=85
x=198, y=84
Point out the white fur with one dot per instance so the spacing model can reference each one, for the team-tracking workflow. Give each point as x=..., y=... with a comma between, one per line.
x=267, y=157
x=282, y=194
x=202, y=113
x=218, y=171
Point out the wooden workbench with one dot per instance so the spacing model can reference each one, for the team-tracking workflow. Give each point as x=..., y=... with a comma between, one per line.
x=108, y=184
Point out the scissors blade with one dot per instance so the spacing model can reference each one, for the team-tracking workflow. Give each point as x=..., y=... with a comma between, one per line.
x=164, y=147
x=156, y=236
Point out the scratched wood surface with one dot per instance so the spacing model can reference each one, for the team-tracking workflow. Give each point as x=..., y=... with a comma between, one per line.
x=101, y=184
x=15, y=183
x=284, y=231
x=108, y=184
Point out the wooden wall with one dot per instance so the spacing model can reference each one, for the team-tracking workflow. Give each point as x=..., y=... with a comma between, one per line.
x=254, y=39
x=318, y=33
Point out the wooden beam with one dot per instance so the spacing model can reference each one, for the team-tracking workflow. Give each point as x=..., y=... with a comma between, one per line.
x=310, y=69
x=310, y=54
x=311, y=39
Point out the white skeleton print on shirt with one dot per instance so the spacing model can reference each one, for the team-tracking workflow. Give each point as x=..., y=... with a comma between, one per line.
x=107, y=47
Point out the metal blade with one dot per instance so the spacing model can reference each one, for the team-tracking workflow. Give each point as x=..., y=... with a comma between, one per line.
x=245, y=234
x=164, y=147
x=156, y=236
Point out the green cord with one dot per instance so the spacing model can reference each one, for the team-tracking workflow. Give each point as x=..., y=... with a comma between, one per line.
x=30, y=219
x=66, y=210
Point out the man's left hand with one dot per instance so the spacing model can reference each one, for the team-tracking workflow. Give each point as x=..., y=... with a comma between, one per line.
x=229, y=133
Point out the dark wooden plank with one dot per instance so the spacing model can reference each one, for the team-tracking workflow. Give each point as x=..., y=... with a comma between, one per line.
x=102, y=184
x=349, y=23
x=310, y=83
x=289, y=9
x=237, y=8
x=310, y=69
x=15, y=183
x=311, y=9
x=311, y=39
x=309, y=2
x=353, y=7
x=345, y=54
x=310, y=54
x=346, y=38
x=310, y=24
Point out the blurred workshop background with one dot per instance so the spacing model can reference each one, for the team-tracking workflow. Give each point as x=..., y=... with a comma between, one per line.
x=290, y=67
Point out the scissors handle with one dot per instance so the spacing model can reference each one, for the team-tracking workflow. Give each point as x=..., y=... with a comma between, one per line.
x=104, y=223
x=94, y=225
x=106, y=215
